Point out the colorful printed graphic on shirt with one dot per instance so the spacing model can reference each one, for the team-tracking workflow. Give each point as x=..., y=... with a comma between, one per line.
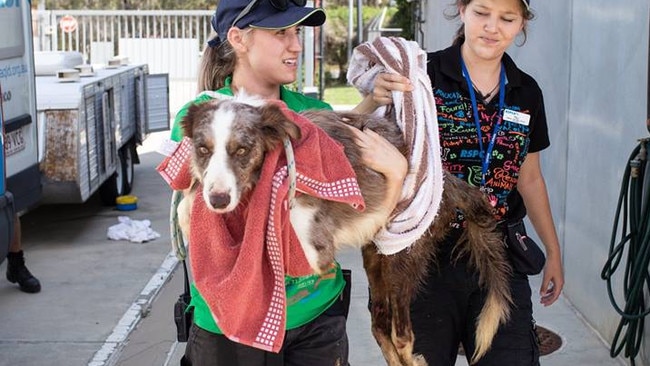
x=460, y=149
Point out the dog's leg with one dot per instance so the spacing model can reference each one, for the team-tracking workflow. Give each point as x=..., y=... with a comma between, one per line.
x=402, y=335
x=183, y=211
x=312, y=230
x=380, y=312
x=414, y=264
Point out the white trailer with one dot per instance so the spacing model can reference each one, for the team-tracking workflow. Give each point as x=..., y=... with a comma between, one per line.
x=89, y=128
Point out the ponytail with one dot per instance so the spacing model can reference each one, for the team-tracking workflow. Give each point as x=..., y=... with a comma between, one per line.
x=217, y=63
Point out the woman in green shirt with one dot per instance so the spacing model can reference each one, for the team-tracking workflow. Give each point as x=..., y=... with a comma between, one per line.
x=256, y=49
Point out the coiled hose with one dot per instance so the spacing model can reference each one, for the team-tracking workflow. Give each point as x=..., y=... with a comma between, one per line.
x=634, y=235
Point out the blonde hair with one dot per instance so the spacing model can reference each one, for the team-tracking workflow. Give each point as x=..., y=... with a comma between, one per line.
x=217, y=63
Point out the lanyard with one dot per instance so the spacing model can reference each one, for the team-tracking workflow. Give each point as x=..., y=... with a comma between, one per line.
x=486, y=154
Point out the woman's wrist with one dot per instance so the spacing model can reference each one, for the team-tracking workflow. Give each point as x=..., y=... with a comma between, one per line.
x=394, y=185
x=367, y=105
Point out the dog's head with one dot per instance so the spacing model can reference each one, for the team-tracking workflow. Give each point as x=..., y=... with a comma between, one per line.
x=231, y=139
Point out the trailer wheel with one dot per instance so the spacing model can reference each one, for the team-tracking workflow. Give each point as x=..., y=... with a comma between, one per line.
x=121, y=182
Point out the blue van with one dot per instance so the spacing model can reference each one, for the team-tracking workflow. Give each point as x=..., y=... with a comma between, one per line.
x=6, y=199
x=20, y=182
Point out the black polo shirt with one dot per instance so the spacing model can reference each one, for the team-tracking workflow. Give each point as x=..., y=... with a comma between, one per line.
x=523, y=128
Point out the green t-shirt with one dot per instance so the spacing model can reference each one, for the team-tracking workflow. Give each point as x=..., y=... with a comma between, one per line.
x=307, y=296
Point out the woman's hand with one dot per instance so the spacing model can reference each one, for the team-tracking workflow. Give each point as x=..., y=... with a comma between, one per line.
x=380, y=155
x=385, y=84
x=553, y=280
x=532, y=187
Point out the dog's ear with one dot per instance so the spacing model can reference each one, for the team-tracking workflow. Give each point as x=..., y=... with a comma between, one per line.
x=187, y=123
x=276, y=126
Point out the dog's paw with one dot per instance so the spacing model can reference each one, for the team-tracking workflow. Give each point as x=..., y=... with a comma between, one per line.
x=321, y=267
x=183, y=211
x=324, y=266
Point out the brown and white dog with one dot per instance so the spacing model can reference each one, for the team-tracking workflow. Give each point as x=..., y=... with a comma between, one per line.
x=230, y=139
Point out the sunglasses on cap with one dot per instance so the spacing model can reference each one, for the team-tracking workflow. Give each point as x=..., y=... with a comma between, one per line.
x=280, y=5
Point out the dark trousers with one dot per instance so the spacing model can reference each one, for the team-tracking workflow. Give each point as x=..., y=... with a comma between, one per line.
x=322, y=342
x=445, y=311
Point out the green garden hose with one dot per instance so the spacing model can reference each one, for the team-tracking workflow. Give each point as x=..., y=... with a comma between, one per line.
x=634, y=235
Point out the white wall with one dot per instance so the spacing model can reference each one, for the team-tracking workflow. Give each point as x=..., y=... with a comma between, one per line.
x=178, y=57
x=607, y=113
x=590, y=58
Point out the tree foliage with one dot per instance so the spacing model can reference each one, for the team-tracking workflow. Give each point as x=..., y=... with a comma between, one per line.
x=337, y=35
x=405, y=18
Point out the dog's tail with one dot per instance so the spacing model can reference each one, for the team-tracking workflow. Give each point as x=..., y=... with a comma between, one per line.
x=496, y=311
x=484, y=244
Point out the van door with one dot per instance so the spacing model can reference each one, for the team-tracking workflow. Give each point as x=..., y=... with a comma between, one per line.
x=6, y=199
x=19, y=104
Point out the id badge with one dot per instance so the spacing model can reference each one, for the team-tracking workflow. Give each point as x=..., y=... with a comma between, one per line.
x=516, y=117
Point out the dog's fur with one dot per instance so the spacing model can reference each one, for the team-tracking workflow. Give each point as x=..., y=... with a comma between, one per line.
x=230, y=141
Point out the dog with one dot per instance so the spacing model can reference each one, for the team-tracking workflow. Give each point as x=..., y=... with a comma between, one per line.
x=230, y=140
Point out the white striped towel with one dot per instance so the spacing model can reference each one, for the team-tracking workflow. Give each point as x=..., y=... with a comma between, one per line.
x=415, y=113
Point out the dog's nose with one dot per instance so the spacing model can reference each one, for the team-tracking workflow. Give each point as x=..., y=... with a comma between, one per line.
x=219, y=200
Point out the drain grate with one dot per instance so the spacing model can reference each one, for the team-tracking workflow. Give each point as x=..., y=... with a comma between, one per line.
x=549, y=342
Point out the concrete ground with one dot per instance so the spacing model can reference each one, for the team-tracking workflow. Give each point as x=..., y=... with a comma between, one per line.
x=110, y=302
x=580, y=344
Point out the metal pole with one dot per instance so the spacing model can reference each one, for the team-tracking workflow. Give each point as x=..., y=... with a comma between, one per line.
x=308, y=53
x=359, y=21
x=350, y=28
x=321, y=58
x=648, y=88
x=41, y=25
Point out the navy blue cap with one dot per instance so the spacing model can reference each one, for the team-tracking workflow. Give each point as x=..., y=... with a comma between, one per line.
x=263, y=15
x=527, y=3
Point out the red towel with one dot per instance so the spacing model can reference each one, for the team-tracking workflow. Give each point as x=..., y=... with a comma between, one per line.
x=239, y=259
x=175, y=169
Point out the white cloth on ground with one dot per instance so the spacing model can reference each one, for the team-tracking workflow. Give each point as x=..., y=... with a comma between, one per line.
x=137, y=231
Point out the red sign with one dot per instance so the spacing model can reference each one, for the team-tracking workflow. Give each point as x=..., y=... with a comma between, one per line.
x=68, y=23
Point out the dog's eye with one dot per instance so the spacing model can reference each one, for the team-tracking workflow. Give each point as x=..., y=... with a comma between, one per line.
x=241, y=151
x=203, y=150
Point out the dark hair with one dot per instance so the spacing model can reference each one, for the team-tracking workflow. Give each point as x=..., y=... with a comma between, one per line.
x=459, y=38
x=217, y=63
